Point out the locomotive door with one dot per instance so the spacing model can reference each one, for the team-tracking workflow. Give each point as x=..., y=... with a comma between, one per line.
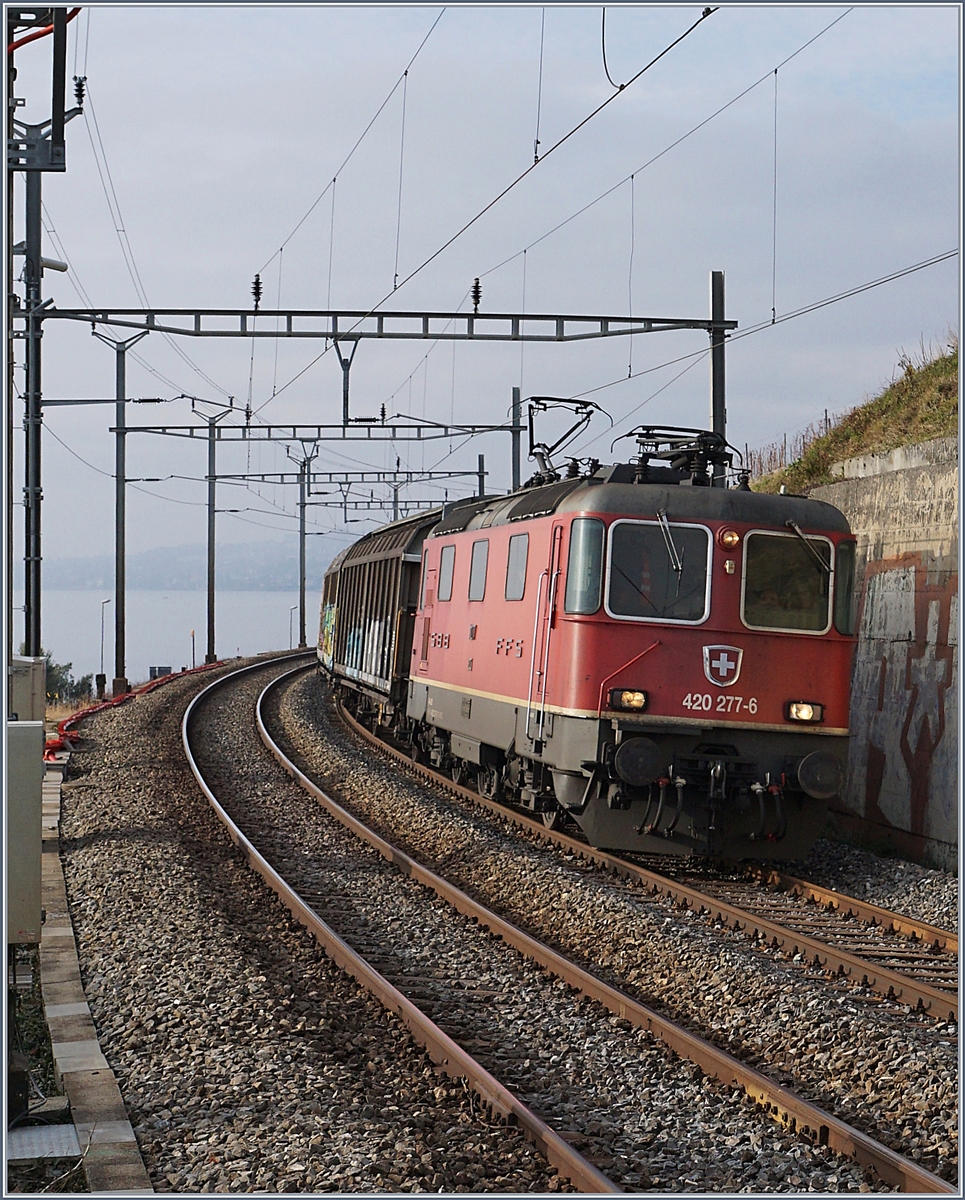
x=428, y=597
x=547, y=594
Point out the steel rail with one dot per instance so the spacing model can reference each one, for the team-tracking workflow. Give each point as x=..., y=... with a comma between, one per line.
x=443, y=1051
x=929, y=935
x=937, y=1002
x=796, y=1114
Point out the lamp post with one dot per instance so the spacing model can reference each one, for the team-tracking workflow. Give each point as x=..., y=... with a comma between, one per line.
x=291, y=613
x=193, y=663
x=102, y=678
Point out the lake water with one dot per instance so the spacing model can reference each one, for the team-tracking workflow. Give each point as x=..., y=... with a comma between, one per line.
x=159, y=627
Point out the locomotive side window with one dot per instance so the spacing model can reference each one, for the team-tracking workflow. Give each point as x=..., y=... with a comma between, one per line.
x=658, y=571
x=516, y=566
x=477, y=570
x=844, y=588
x=787, y=583
x=447, y=563
x=584, y=570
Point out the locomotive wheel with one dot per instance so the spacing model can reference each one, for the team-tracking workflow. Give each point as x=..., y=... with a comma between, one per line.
x=487, y=783
x=459, y=771
x=553, y=820
x=415, y=752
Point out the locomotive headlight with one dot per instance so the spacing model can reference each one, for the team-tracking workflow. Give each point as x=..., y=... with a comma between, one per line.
x=728, y=538
x=628, y=701
x=805, y=710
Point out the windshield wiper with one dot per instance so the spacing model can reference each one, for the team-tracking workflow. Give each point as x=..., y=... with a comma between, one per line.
x=638, y=590
x=793, y=525
x=664, y=524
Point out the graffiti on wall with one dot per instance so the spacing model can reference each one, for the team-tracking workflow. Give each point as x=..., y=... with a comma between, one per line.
x=903, y=754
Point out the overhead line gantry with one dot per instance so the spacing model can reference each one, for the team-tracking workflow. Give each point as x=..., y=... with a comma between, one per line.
x=349, y=327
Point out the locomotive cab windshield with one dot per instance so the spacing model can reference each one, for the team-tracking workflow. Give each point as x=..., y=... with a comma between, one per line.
x=787, y=582
x=658, y=571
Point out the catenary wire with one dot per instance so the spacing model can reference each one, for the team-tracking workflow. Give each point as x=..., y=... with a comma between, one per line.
x=358, y=143
x=173, y=499
x=110, y=194
x=618, y=86
x=76, y=283
x=774, y=215
x=506, y=190
x=630, y=274
x=666, y=150
x=539, y=84
x=398, y=223
x=789, y=316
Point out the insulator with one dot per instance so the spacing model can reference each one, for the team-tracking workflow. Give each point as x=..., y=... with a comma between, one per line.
x=256, y=290
x=476, y=295
x=80, y=84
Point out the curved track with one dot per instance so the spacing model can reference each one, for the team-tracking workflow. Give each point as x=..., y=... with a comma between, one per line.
x=451, y=1057
x=905, y=960
x=793, y=1112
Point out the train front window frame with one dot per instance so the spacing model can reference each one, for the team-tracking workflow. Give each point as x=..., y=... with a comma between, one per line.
x=845, y=616
x=683, y=547
x=584, y=567
x=478, y=565
x=516, y=559
x=805, y=569
x=447, y=566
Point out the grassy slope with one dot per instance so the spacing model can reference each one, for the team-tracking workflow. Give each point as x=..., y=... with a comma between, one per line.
x=919, y=405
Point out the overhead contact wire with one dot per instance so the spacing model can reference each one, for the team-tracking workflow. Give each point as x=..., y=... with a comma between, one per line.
x=506, y=190
x=77, y=285
x=630, y=277
x=361, y=137
x=113, y=204
x=539, y=84
x=789, y=316
x=774, y=216
x=666, y=150
x=398, y=223
x=618, y=86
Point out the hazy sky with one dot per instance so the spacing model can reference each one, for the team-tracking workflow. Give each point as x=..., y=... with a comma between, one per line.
x=221, y=125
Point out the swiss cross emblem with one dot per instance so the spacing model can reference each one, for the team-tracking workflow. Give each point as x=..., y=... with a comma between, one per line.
x=722, y=664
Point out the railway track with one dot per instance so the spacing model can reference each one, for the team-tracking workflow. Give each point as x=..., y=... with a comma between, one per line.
x=908, y=961
x=888, y=1068
x=800, y=1117
x=451, y=1057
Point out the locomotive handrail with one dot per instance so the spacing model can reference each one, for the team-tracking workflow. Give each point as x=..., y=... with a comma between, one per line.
x=613, y=674
x=532, y=658
x=551, y=594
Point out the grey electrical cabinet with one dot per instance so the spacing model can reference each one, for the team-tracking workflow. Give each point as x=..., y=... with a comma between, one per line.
x=25, y=779
x=26, y=689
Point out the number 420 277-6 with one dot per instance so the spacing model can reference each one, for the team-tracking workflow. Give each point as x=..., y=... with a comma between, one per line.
x=704, y=702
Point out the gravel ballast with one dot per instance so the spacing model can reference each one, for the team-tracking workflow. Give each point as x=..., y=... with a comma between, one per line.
x=651, y=1120
x=892, y=883
x=888, y=1071
x=247, y=1061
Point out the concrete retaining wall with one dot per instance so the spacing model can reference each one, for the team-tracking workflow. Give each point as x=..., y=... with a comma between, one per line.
x=903, y=778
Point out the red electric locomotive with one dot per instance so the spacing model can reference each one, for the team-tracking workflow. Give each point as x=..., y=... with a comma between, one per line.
x=665, y=661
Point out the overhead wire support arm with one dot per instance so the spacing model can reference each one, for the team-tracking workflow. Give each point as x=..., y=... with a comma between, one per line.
x=400, y=477
x=394, y=430
x=389, y=326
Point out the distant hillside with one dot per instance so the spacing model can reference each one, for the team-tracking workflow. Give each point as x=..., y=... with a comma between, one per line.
x=254, y=567
x=918, y=405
